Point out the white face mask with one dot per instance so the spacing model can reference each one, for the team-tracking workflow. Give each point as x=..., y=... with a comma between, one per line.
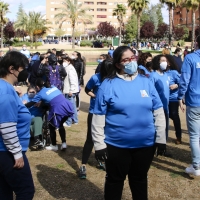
x=24, y=48
x=180, y=54
x=163, y=65
x=65, y=64
x=72, y=57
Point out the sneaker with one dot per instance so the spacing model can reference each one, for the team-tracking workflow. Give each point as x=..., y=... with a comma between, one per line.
x=82, y=172
x=66, y=125
x=52, y=147
x=37, y=143
x=63, y=146
x=192, y=170
x=102, y=166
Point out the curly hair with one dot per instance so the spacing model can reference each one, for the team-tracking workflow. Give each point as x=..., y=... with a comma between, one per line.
x=156, y=61
x=142, y=58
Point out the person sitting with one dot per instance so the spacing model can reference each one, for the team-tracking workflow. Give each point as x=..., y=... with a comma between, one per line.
x=59, y=110
x=36, y=115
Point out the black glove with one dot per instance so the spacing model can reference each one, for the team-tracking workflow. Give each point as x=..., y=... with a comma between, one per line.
x=101, y=155
x=161, y=149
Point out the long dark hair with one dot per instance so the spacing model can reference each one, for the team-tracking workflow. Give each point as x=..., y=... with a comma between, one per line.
x=79, y=55
x=173, y=65
x=106, y=66
x=156, y=62
x=143, y=57
x=117, y=55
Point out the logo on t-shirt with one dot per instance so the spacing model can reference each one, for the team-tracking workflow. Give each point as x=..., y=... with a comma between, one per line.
x=144, y=93
x=198, y=65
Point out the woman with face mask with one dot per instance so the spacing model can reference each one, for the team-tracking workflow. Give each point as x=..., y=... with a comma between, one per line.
x=71, y=88
x=15, y=119
x=36, y=115
x=145, y=64
x=174, y=79
x=123, y=138
x=161, y=82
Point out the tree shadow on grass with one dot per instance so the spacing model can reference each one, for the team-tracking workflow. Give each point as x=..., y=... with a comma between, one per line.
x=63, y=184
x=171, y=128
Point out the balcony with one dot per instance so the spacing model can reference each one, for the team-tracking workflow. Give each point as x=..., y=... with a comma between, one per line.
x=101, y=9
x=101, y=16
x=89, y=2
x=101, y=3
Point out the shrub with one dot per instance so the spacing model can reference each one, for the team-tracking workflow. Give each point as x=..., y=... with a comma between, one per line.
x=85, y=43
x=28, y=44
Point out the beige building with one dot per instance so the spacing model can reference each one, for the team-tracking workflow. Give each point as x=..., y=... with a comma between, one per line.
x=100, y=10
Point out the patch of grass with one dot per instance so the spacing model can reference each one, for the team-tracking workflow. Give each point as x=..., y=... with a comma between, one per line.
x=72, y=130
x=174, y=175
x=60, y=166
x=92, y=63
x=150, y=51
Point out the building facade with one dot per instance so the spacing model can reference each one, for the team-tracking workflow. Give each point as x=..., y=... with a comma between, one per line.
x=100, y=10
x=182, y=16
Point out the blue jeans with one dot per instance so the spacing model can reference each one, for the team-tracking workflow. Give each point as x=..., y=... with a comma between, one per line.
x=75, y=116
x=15, y=180
x=193, y=124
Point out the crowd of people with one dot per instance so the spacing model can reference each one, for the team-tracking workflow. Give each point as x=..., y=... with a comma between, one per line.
x=132, y=96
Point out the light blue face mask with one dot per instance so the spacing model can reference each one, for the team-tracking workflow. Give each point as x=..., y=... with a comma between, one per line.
x=131, y=67
x=99, y=60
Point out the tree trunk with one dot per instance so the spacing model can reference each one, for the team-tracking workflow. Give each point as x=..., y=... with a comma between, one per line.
x=35, y=42
x=1, y=36
x=170, y=23
x=120, y=32
x=73, y=46
x=193, y=29
x=138, y=29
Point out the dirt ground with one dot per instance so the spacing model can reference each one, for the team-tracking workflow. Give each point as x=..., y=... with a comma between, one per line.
x=55, y=173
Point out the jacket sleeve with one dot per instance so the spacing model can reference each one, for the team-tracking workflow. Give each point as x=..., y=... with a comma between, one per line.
x=185, y=78
x=62, y=72
x=72, y=80
x=81, y=73
x=40, y=70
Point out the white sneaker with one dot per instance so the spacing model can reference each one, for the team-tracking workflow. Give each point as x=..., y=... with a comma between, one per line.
x=192, y=170
x=52, y=147
x=66, y=125
x=63, y=146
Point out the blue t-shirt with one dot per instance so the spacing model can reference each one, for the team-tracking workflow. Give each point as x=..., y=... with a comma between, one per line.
x=174, y=78
x=146, y=71
x=13, y=110
x=128, y=107
x=46, y=94
x=35, y=111
x=110, y=52
x=161, y=84
x=26, y=53
x=93, y=84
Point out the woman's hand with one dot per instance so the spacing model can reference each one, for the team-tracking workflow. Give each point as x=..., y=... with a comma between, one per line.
x=181, y=105
x=173, y=87
x=19, y=163
x=70, y=94
x=24, y=102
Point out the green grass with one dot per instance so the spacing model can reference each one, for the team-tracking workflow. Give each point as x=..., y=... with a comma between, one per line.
x=150, y=51
x=72, y=130
x=173, y=175
x=92, y=63
x=60, y=166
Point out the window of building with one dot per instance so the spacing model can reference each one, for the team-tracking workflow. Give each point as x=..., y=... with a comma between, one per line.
x=102, y=9
x=88, y=2
x=101, y=16
x=91, y=10
x=115, y=17
x=101, y=3
x=52, y=9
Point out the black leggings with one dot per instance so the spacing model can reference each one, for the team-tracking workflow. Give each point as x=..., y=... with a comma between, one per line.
x=61, y=132
x=87, y=149
x=132, y=162
x=174, y=115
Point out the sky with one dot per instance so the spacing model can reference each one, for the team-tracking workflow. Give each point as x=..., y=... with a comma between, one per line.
x=39, y=6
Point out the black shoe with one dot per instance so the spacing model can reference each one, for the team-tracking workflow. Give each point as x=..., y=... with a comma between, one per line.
x=169, y=155
x=37, y=143
x=82, y=172
x=102, y=166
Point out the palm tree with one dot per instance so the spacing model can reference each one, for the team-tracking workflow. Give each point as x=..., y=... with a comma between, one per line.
x=171, y=4
x=3, y=11
x=192, y=5
x=138, y=6
x=72, y=11
x=120, y=12
x=33, y=23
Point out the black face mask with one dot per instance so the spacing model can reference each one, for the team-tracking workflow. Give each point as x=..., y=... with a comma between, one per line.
x=149, y=64
x=22, y=76
x=60, y=62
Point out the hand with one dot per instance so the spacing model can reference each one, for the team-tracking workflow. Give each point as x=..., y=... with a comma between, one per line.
x=181, y=105
x=37, y=104
x=161, y=149
x=101, y=155
x=24, y=101
x=19, y=163
x=69, y=94
x=173, y=87
x=18, y=90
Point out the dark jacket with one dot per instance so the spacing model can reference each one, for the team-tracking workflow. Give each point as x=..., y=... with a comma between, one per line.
x=78, y=65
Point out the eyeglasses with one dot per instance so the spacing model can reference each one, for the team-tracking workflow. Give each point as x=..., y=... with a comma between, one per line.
x=31, y=92
x=128, y=60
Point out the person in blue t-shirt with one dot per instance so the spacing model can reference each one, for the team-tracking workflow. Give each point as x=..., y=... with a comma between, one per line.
x=160, y=80
x=111, y=51
x=128, y=124
x=91, y=89
x=36, y=115
x=190, y=90
x=145, y=64
x=59, y=110
x=15, y=174
x=174, y=79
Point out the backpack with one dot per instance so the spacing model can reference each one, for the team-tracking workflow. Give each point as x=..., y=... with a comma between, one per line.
x=54, y=77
